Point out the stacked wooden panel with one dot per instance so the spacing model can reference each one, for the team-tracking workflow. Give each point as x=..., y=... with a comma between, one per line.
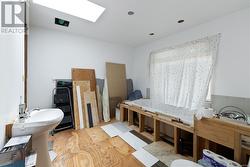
x=79, y=87
x=85, y=75
x=90, y=107
x=85, y=101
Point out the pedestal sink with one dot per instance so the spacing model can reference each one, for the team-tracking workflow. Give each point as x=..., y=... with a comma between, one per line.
x=38, y=124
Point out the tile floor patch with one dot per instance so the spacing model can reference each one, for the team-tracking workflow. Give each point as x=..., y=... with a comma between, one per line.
x=164, y=152
x=115, y=129
x=159, y=147
x=121, y=126
x=148, y=141
x=159, y=164
x=111, y=130
x=50, y=145
x=133, y=141
x=145, y=158
x=52, y=155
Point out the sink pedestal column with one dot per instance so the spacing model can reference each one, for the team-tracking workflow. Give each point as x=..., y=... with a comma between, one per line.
x=40, y=145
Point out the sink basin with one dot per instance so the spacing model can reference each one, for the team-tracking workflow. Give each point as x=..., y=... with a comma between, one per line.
x=38, y=121
x=38, y=124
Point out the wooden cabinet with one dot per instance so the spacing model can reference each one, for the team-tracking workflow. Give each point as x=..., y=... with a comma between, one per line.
x=224, y=132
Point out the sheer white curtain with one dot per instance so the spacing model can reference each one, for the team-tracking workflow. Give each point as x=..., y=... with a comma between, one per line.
x=180, y=75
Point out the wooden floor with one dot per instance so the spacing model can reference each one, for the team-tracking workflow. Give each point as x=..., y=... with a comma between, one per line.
x=92, y=148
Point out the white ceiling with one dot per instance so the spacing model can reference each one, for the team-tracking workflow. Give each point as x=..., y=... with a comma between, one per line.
x=158, y=16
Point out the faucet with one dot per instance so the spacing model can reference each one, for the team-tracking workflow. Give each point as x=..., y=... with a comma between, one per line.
x=22, y=111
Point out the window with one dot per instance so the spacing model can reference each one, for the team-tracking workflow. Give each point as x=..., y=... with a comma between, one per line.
x=180, y=76
x=80, y=8
x=209, y=93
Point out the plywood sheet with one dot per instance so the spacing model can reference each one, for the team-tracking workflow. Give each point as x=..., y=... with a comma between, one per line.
x=85, y=75
x=90, y=101
x=121, y=146
x=116, y=77
x=84, y=86
x=97, y=134
x=83, y=148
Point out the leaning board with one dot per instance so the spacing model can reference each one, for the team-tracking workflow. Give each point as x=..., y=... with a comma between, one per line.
x=84, y=87
x=116, y=78
x=91, y=109
x=99, y=102
x=85, y=75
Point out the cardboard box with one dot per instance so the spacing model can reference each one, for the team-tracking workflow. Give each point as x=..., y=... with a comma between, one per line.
x=14, y=152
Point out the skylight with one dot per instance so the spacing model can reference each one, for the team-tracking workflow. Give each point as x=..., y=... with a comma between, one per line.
x=80, y=8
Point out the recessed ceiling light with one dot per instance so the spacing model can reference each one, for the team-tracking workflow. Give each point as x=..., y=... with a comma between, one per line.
x=180, y=21
x=131, y=13
x=151, y=34
x=80, y=8
x=61, y=22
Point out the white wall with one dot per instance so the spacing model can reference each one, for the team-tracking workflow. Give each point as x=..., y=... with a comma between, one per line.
x=11, y=85
x=232, y=76
x=52, y=54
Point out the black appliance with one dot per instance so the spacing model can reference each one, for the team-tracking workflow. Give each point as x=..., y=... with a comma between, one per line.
x=62, y=99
